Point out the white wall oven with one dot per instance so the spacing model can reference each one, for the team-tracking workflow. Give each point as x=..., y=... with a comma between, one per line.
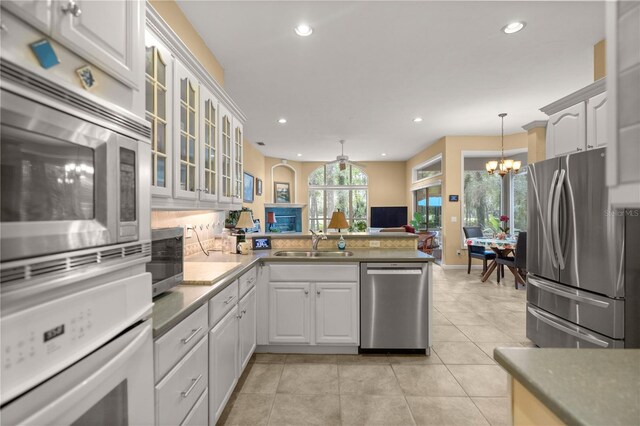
x=67, y=184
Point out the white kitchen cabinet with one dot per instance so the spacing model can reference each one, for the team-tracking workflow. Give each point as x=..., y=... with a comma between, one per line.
x=109, y=34
x=238, y=173
x=289, y=312
x=337, y=312
x=223, y=363
x=623, y=67
x=186, y=115
x=208, y=147
x=566, y=131
x=226, y=155
x=159, y=113
x=247, y=327
x=597, y=121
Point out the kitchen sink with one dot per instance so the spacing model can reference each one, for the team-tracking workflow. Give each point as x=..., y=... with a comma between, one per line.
x=313, y=253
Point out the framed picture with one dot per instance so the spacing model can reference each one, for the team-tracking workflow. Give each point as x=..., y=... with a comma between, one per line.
x=87, y=79
x=248, y=188
x=281, y=192
x=258, y=186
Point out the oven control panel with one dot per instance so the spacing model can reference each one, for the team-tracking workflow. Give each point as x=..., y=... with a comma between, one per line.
x=39, y=342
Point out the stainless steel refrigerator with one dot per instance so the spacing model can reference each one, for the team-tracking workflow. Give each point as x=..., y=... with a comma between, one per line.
x=583, y=258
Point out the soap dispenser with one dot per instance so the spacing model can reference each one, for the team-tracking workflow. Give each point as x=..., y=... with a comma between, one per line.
x=342, y=244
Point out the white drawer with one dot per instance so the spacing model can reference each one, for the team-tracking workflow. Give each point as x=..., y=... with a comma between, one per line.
x=313, y=273
x=222, y=303
x=177, y=393
x=199, y=415
x=247, y=281
x=168, y=349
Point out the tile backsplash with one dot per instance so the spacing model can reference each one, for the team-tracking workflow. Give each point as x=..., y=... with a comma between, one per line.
x=207, y=224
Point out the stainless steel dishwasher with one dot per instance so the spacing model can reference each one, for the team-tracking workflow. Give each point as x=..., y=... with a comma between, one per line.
x=395, y=306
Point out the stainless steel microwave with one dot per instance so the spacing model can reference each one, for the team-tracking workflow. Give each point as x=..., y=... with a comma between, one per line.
x=67, y=183
x=167, y=259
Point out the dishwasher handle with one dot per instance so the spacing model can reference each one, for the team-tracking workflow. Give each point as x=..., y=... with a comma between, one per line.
x=394, y=271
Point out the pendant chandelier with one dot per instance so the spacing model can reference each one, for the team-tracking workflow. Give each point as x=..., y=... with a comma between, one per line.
x=503, y=166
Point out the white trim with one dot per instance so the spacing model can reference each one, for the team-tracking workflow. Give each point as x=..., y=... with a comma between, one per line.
x=295, y=181
x=165, y=34
x=430, y=161
x=426, y=185
x=581, y=95
x=535, y=124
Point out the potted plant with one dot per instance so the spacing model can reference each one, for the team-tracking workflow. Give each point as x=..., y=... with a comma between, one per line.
x=418, y=221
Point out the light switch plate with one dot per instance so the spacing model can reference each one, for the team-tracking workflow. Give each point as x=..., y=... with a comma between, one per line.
x=454, y=218
x=374, y=243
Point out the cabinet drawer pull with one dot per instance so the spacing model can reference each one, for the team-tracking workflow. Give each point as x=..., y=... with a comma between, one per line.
x=244, y=311
x=318, y=292
x=191, y=336
x=226, y=302
x=252, y=280
x=579, y=149
x=194, y=382
x=589, y=146
x=306, y=292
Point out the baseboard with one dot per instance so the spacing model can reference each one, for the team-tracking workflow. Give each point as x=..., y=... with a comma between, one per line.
x=306, y=349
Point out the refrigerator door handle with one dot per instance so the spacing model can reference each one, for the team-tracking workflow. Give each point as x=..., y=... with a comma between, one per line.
x=556, y=223
x=552, y=288
x=583, y=336
x=548, y=234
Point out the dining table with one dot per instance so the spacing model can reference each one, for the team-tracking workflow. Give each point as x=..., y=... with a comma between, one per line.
x=502, y=248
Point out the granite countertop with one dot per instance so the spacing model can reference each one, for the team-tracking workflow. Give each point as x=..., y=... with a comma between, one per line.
x=205, y=282
x=580, y=386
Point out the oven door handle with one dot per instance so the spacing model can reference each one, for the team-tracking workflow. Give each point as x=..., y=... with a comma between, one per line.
x=59, y=406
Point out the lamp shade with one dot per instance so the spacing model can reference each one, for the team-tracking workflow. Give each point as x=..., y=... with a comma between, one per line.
x=338, y=221
x=245, y=220
x=271, y=217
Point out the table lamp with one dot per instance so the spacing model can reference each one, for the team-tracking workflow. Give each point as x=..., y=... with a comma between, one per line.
x=338, y=221
x=244, y=221
x=271, y=219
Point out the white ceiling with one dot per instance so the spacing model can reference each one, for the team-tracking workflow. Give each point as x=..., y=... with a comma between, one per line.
x=370, y=67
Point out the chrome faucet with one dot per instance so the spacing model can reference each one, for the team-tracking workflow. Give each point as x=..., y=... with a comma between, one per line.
x=315, y=239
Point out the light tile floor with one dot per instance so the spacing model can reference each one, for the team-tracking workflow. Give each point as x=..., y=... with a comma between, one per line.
x=459, y=384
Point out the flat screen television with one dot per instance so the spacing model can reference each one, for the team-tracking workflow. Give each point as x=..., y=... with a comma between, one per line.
x=388, y=217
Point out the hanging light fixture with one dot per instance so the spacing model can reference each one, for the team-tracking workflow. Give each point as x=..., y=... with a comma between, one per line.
x=503, y=166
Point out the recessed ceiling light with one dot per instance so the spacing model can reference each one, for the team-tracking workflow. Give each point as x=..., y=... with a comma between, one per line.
x=513, y=27
x=417, y=119
x=303, y=30
x=282, y=120
x=299, y=155
x=384, y=154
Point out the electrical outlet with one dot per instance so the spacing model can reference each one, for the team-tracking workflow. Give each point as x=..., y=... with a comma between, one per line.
x=188, y=231
x=374, y=243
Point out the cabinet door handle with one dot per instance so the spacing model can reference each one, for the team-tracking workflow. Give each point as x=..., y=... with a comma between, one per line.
x=244, y=311
x=589, y=146
x=579, y=149
x=306, y=292
x=191, y=336
x=318, y=292
x=194, y=382
x=226, y=302
x=72, y=8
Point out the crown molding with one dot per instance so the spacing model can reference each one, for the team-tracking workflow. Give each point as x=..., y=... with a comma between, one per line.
x=535, y=124
x=576, y=97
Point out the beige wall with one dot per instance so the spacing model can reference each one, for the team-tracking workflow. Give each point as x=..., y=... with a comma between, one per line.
x=599, y=60
x=455, y=145
x=172, y=14
x=254, y=164
x=537, y=144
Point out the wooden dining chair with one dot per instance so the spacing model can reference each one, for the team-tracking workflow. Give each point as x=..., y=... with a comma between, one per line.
x=477, y=252
x=517, y=262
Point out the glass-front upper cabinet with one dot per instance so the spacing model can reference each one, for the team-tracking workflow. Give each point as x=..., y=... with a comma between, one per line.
x=226, y=153
x=238, y=135
x=158, y=95
x=209, y=150
x=187, y=110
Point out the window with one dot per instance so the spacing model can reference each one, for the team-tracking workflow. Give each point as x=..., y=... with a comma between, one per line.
x=428, y=169
x=331, y=189
x=428, y=203
x=487, y=197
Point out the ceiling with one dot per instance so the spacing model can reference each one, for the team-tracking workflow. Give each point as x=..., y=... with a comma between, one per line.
x=369, y=68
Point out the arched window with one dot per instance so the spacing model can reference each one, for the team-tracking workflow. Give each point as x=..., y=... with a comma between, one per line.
x=331, y=189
